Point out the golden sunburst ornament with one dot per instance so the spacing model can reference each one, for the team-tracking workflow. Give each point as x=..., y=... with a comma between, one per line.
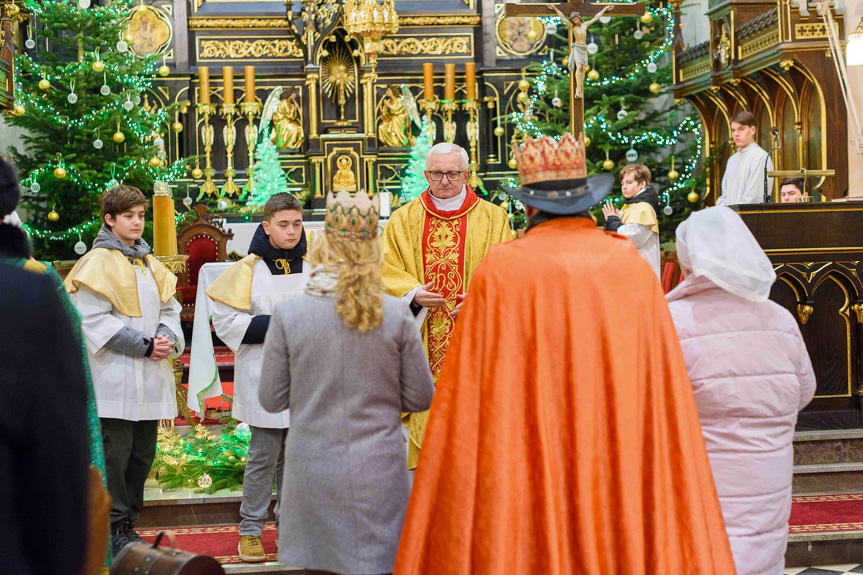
x=338, y=77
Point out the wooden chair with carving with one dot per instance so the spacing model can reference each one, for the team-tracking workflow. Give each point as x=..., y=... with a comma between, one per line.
x=203, y=241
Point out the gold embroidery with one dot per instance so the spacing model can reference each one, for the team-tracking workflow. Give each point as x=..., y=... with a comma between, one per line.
x=283, y=265
x=442, y=267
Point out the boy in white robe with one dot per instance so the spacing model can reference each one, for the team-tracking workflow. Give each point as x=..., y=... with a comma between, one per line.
x=131, y=326
x=637, y=219
x=743, y=180
x=243, y=299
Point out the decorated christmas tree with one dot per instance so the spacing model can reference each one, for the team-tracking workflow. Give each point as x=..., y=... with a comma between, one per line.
x=268, y=178
x=78, y=95
x=630, y=113
x=414, y=180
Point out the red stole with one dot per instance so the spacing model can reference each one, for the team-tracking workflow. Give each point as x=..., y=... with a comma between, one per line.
x=443, y=244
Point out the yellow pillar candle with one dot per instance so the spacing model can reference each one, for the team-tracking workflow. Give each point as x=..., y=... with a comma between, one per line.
x=164, y=224
x=250, y=84
x=428, y=80
x=449, y=85
x=228, y=84
x=203, y=85
x=470, y=80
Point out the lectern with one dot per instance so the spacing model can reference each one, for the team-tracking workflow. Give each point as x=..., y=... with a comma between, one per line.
x=817, y=252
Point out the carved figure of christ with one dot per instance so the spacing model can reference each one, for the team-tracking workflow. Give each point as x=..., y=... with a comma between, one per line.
x=577, y=41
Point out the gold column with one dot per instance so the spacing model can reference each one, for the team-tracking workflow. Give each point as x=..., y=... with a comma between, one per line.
x=369, y=103
x=312, y=82
x=472, y=128
x=250, y=110
x=318, y=172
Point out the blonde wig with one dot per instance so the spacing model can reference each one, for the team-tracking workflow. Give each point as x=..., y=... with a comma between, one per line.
x=359, y=291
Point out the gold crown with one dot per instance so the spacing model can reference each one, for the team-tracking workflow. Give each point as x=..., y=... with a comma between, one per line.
x=353, y=217
x=547, y=160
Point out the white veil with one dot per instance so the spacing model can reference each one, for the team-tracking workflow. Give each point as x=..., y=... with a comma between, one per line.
x=716, y=244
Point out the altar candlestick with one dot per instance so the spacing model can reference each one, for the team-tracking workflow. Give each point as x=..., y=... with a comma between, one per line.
x=470, y=80
x=449, y=85
x=228, y=84
x=250, y=84
x=428, y=80
x=203, y=85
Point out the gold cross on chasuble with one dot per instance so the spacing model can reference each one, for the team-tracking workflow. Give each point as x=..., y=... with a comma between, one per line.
x=585, y=10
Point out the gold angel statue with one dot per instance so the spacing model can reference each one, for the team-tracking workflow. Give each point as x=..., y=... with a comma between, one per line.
x=395, y=127
x=287, y=122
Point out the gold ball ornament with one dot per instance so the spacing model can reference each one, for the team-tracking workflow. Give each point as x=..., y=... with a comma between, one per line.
x=531, y=35
x=177, y=126
x=673, y=175
x=98, y=65
x=593, y=75
x=59, y=172
x=647, y=18
x=504, y=206
x=44, y=84
x=53, y=216
x=164, y=70
x=586, y=141
x=522, y=97
x=499, y=131
x=155, y=162
x=655, y=88
x=693, y=197
x=523, y=85
x=127, y=36
x=19, y=110
x=119, y=137
x=512, y=163
x=141, y=7
x=608, y=164
x=197, y=173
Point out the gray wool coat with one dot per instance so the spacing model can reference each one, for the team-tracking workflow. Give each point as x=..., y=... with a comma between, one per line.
x=346, y=487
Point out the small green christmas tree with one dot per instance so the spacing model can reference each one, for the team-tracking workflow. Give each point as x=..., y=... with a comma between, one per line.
x=269, y=178
x=414, y=181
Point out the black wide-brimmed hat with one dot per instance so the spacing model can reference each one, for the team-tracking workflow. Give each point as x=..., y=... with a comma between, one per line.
x=554, y=178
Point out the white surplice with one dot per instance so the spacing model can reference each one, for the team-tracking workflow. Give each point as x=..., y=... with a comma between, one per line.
x=126, y=387
x=231, y=325
x=743, y=181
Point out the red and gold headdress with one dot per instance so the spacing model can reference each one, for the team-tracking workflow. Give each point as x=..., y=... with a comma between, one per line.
x=545, y=160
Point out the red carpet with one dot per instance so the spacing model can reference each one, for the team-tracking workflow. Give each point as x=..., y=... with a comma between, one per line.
x=219, y=541
x=826, y=513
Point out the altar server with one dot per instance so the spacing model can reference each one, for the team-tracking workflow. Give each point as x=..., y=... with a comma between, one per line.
x=743, y=181
x=131, y=325
x=563, y=436
x=243, y=299
x=748, y=407
x=637, y=220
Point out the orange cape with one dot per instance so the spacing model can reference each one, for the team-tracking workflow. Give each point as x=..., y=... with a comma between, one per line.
x=564, y=438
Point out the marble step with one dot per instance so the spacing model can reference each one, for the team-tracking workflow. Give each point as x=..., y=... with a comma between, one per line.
x=808, y=549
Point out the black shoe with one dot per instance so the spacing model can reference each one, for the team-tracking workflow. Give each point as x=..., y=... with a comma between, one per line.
x=129, y=531
x=119, y=538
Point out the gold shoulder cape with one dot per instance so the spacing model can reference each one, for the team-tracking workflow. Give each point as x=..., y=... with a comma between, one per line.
x=234, y=286
x=640, y=213
x=109, y=273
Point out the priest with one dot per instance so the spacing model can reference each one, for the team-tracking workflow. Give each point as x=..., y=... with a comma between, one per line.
x=432, y=246
x=564, y=437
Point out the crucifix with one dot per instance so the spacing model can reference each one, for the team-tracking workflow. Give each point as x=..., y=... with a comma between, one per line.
x=573, y=15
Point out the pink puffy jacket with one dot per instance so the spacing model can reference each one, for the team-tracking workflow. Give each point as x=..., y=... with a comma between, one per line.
x=750, y=374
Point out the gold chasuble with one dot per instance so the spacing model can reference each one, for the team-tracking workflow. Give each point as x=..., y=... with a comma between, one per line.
x=423, y=244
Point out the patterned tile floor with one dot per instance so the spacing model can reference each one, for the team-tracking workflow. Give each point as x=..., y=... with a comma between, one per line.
x=826, y=570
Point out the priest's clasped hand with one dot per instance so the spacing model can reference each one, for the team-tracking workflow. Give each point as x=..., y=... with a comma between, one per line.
x=460, y=298
x=608, y=210
x=427, y=298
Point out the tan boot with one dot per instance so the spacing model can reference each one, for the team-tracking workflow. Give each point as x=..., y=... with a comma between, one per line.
x=251, y=549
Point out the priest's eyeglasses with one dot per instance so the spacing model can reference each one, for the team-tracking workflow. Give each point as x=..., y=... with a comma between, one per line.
x=438, y=176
